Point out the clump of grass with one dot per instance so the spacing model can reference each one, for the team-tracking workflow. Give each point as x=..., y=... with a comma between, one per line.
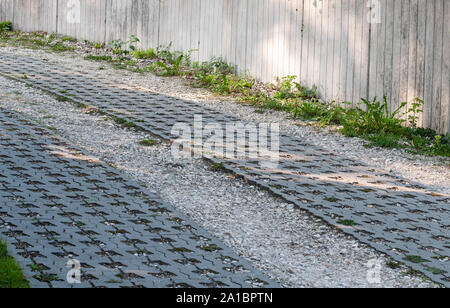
x=6, y=26
x=435, y=271
x=125, y=47
x=219, y=77
x=210, y=248
x=147, y=143
x=393, y=265
x=60, y=98
x=60, y=47
x=172, y=66
x=11, y=275
x=413, y=273
x=414, y=259
x=38, y=267
x=81, y=105
x=98, y=58
x=125, y=123
x=384, y=140
x=346, y=222
x=374, y=119
x=181, y=249
x=217, y=167
x=69, y=39
x=145, y=54
x=36, y=40
x=287, y=88
x=169, y=63
x=46, y=277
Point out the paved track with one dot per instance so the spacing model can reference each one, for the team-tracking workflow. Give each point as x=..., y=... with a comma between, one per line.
x=58, y=204
x=396, y=217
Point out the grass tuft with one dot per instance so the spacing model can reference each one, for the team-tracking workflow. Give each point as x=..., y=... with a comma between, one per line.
x=414, y=259
x=11, y=275
x=217, y=167
x=6, y=26
x=346, y=222
x=147, y=143
x=145, y=54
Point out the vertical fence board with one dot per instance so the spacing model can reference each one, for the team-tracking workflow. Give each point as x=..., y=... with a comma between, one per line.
x=315, y=47
x=445, y=101
x=289, y=37
x=163, y=39
x=421, y=41
x=341, y=95
x=405, y=53
x=413, y=46
x=381, y=58
x=205, y=31
x=351, y=50
x=297, y=37
x=3, y=14
x=325, y=49
x=268, y=40
x=360, y=54
x=366, y=27
x=252, y=37
x=411, y=91
x=312, y=35
x=429, y=57
x=227, y=28
x=397, y=45
x=376, y=31
x=335, y=70
x=256, y=43
x=305, y=42
x=438, y=61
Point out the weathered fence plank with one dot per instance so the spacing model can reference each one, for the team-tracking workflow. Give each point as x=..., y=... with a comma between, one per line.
x=445, y=100
x=411, y=91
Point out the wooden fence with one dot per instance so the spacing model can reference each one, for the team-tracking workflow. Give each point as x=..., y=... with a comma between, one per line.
x=348, y=48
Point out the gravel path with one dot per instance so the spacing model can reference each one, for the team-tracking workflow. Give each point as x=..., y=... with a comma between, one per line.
x=432, y=172
x=287, y=244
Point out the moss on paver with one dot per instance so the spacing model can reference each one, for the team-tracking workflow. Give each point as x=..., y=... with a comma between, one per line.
x=346, y=222
x=11, y=275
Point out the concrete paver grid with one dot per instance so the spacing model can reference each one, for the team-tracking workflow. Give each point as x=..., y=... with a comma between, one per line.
x=58, y=204
x=396, y=217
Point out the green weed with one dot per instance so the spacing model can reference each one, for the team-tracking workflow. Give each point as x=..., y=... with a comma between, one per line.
x=145, y=54
x=125, y=47
x=346, y=222
x=98, y=58
x=11, y=275
x=6, y=26
x=147, y=143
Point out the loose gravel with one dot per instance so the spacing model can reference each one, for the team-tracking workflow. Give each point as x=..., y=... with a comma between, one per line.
x=287, y=244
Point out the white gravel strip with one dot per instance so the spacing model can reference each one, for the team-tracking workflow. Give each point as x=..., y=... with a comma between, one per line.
x=287, y=244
